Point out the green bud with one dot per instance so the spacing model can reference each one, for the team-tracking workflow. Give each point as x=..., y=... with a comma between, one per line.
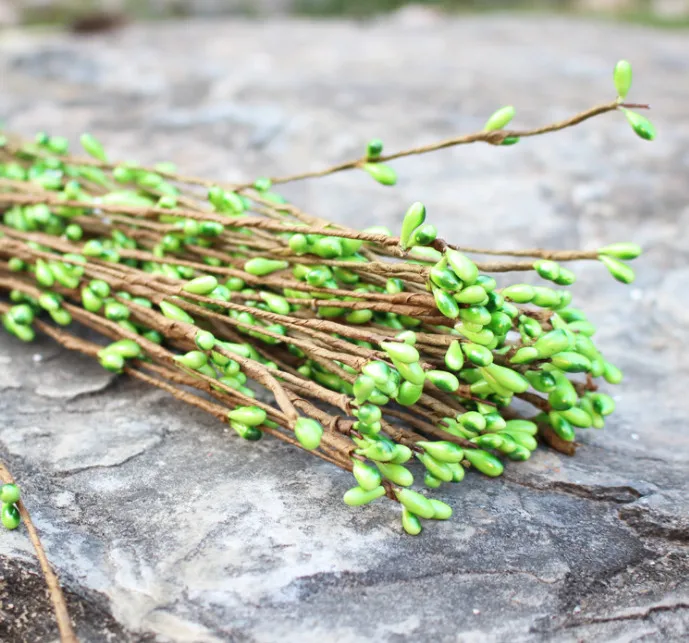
x=436, y=468
x=374, y=149
x=484, y=462
x=571, y=362
x=552, y=342
x=402, y=454
x=10, y=517
x=366, y=475
x=368, y=413
x=384, y=174
x=446, y=382
x=21, y=314
x=500, y=118
x=43, y=274
x=415, y=503
x=260, y=266
x=477, y=354
x=443, y=451
x=309, y=433
x=415, y=216
x=454, y=357
x=15, y=264
x=401, y=352
x=378, y=371
x=506, y=378
x=204, y=340
x=472, y=420
x=521, y=426
x=357, y=496
x=642, y=127
x=424, y=235
x=9, y=493
x=61, y=317
x=276, y=303
x=603, y=404
x=523, y=440
x=621, y=250
x=411, y=372
x=431, y=481
x=462, y=266
x=563, y=429
x=100, y=288
x=192, y=359
x=442, y=510
x=249, y=415
x=111, y=361
x=622, y=77
x=547, y=269
x=298, y=243
x=620, y=271
x=247, y=432
x=126, y=348
x=471, y=295
x=510, y=140
x=577, y=417
x=396, y=473
x=409, y=394
x=445, y=303
x=201, y=285
x=116, y=311
x=411, y=523
x=457, y=471
x=175, y=313
x=93, y=147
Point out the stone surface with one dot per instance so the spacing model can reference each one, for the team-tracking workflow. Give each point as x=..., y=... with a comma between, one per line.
x=164, y=527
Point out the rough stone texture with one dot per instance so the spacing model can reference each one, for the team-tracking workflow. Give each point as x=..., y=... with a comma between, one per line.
x=162, y=525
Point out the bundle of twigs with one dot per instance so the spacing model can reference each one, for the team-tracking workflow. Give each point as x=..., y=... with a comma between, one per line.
x=378, y=350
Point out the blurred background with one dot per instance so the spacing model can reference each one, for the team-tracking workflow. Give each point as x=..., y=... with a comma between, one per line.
x=95, y=14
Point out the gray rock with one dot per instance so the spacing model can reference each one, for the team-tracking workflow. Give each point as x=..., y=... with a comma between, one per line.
x=165, y=527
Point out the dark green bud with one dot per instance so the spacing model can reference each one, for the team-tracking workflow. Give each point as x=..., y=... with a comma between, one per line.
x=563, y=429
x=10, y=516
x=642, y=127
x=374, y=149
x=424, y=235
x=443, y=380
x=477, y=354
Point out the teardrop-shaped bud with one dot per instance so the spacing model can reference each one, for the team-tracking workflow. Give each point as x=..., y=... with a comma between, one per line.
x=547, y=269
x=10, y=517
x=472, y=420
x=521, y=426
x=485, y=462
x=175, y=312
x=357, y=496
x=446, y=305
x=621, y=250
x=204, y=340
x=563, y=429
x=462, y=266
x=192, y=359
x=552, y=342
x=201, y=285
x=409, y=394
x=437, y=468
x=384, y=174
x=260, y=266
x=374, y=148
x=401, y=352
x=619, y=270
x=401, y=455
x=309, y=433
x=431, y=481
x=93, y=147
x=622, y=77
x=525, y=355
x=411, y=372
x=500, y=118
x=471, y=295
x=611, y=373
x=396, y=473
x=127, y=348
x=478, y=355
x=523, y=439
x=518, y=293
x=577, y=417
x=442, y=510
x=378, y=371
x=571, y=362
x=642, y=127
x=509, y=379
x=362, y=388
x=424, y=235
x=380, y=451
x=411, y=522
x=457, y=471
x=443, y=451
x=603, y=404
x=367, y=476
x=9, y=493
x=454, y=357
x=249, y=415
x=415, y=502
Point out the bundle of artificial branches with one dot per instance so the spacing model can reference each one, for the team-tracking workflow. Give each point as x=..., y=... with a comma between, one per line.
x=378, y=350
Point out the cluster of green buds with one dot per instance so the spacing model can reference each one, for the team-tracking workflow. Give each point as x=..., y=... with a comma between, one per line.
x=9, y=513
x=386, y=356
